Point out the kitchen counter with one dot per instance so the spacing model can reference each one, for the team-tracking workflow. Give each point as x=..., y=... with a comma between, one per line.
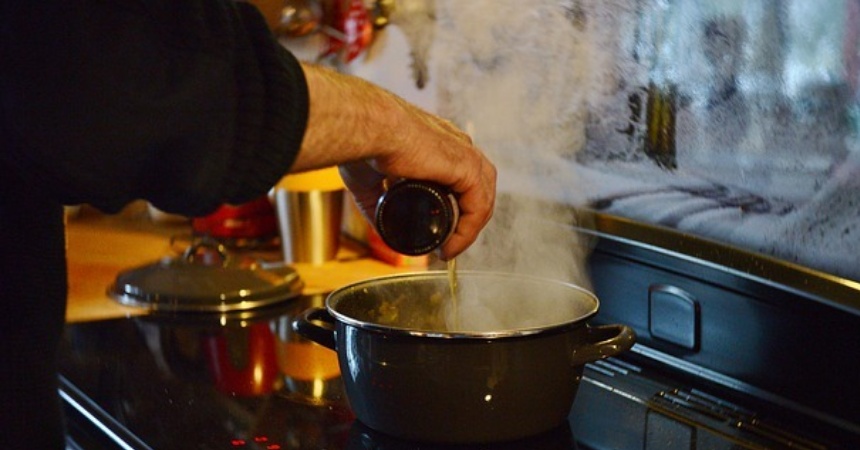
x=100, y=245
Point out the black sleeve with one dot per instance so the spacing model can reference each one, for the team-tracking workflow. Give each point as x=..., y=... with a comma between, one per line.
x=188, y=104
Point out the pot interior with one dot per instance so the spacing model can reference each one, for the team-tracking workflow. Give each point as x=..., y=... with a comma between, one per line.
x=486, y=304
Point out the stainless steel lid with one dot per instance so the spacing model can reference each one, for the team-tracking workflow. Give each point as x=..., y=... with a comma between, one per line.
x=201, y=283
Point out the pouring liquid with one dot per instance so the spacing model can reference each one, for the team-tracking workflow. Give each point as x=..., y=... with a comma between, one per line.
x=452, y=284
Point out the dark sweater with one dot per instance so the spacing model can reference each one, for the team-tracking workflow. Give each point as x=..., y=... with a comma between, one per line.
x=188, y=104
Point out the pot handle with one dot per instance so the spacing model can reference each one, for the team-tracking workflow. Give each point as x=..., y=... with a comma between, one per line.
x=317, y=325
x=604, y=341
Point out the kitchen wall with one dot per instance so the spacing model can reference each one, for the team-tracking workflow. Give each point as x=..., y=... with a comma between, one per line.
x=733, y=120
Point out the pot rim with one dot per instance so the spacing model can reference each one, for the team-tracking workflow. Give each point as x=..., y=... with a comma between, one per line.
x=457, y=335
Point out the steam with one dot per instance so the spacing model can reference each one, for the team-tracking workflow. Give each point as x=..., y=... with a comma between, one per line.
x=518, y=80
x=766, y=108
x=493, y=304
x=766, y=113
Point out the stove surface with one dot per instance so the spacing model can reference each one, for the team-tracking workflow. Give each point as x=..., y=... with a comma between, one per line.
x=246, y=381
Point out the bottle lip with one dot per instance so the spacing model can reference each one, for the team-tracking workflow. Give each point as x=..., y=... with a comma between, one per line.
x=444, y=199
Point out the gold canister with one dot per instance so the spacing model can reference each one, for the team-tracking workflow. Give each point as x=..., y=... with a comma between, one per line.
x=310, y=215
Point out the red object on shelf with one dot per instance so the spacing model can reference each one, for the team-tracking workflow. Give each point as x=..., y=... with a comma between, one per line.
x=253, y=220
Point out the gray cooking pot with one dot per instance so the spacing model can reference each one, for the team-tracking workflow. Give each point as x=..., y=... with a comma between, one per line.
x=507, y=367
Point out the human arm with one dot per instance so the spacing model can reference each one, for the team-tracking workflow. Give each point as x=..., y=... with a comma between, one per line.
x=192, y=104
x=187, y=104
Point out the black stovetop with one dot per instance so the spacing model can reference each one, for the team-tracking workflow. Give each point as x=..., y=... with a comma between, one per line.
x=246, y=381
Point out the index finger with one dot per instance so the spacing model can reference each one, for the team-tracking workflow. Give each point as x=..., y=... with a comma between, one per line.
x=476, y=209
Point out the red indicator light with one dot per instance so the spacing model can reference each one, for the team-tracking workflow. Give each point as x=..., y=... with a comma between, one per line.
x=261, y=439
x=238, y=442
x=273, y=447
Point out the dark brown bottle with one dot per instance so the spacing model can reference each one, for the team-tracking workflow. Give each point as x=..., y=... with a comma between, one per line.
x=416, y=217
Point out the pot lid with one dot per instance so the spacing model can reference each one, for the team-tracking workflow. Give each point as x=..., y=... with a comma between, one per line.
x=210, y=281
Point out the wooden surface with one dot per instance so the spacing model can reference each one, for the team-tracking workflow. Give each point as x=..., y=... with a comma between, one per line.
x=100, y=246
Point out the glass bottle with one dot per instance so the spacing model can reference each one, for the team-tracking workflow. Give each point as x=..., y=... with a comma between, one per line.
x=415, y=217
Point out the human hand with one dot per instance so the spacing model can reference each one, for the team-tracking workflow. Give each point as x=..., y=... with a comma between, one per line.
x=374, y=135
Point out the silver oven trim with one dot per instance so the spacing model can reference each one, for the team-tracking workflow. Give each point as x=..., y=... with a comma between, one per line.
x=99, y=418
x=831, y=290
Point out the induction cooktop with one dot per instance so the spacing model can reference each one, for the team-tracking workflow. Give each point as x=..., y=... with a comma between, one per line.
x=246, y=381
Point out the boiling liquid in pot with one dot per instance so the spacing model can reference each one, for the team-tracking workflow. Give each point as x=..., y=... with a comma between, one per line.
x=464, y=301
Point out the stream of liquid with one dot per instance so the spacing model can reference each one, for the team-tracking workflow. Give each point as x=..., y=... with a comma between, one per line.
x=452, y=283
